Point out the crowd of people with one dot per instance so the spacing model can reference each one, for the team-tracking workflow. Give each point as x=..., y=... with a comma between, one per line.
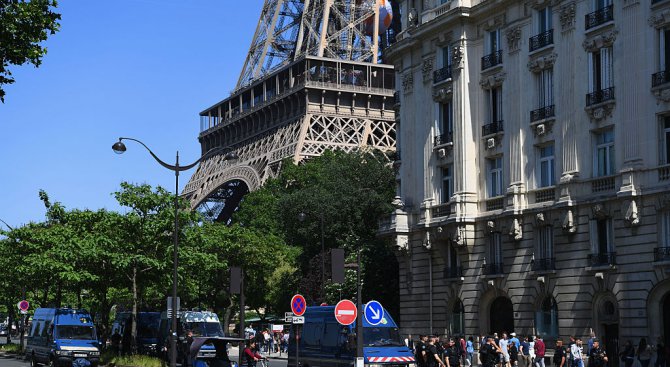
x=268, y=341
x=529, y=351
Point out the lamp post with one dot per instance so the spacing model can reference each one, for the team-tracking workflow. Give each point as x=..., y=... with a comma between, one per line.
x=9, y=317
x=301, y=217
x=120, y=148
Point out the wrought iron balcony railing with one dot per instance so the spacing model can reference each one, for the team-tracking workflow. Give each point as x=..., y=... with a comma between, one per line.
x=599, y=17
x=492, y=128
x=600, y=96
x=542, y=113
x=442, y=74
x=660, y=78
x=662, y=254
x=451, y=272
x=492, y=60
x=445, y=138
x=495, y=203
x=492, y=269
x=548, y=264
x=602, y=259
x=543, y=39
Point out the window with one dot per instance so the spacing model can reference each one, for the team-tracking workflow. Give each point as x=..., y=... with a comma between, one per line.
x=494, y=177
x=493, y=42
x=544, y=248
x=600, y=69
x=544, y=20
x=446, y=118
x=664, y=49
x=545, y=88
x=664, y=229
x=457, y=318
x=546, y=166
x=445, y=60
x=447, y=184
x=604, y=157
x=546, y=318
x=665, y=141
x=601, y=4
x=495, y=248
x=452, y=257
x=602, y=236
x=494, y=105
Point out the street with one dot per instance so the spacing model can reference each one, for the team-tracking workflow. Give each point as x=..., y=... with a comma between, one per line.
x=12, y=362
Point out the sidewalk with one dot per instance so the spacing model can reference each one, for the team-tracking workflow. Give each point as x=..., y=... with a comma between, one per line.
x=233, y=354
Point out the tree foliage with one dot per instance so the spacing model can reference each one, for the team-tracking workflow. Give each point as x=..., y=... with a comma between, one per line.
x=23, y=25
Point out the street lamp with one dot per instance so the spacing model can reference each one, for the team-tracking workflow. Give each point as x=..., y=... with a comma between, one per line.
x=301, y=217
x=120, y=148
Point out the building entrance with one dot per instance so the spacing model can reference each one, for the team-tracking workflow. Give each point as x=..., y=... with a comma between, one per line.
x=666, y=319
x=611, y=344
x=501, y=316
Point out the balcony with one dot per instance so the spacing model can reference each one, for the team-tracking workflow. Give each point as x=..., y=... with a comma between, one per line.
x=660, y=78
x=602, y=259
x=544, y=195
x=548, y=264
x=664, y=173
x=453, y=272
x=600, y=96
x=492, y=128
x=492, y=269
x=492, y=60
x=495, y=204
x=541, y=40
x=441, y=75
x=444, y=139
x=442, y=210
x=662, y=254
x=600, y=16
x=602, y=184
x=542, y=113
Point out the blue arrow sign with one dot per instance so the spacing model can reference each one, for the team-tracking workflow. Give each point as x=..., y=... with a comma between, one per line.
x=374, y=313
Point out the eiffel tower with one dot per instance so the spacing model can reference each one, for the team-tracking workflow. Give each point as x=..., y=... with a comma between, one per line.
x=312, y=81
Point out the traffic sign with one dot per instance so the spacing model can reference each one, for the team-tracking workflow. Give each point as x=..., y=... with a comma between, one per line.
x=298, y=305
x=374, y=313
x=298, y=319
x=345, y=312
x=23, y=305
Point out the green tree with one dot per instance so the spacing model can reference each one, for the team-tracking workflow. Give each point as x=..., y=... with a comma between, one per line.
x=23, y=25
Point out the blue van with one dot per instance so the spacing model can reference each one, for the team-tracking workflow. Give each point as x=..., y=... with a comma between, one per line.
x=324, y=342
x=147, y=330
x=59, y=336
x=203, y=324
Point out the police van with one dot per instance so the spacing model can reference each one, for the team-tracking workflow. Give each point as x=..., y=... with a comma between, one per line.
x=203, y=324
x=147, y=330
x=59, y=336
x=323, y=342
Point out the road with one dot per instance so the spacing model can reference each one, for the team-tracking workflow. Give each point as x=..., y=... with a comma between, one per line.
x=11, y=362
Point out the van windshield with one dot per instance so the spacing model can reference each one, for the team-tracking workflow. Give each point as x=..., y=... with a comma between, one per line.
x=205, y=328
x=75, y=332
x=381, y=337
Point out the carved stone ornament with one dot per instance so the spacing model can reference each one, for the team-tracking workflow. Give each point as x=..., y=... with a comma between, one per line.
x=492, y=81
x=627, y=3
x=599, y=41
x=427, y=243
x=427, y=68
x=539, y=217
x=457, y=56
x=632, y=217
x=402, y=244
x=513, y=38
x=408, y=82
x=599, y=211
x=662, y=94
x=660, y=19
x=443, y=94
x=460, y=237
x=601, y=111
x=398, y=203
x=538, y=64
x=490, y=226
x=569, y=222
x=516, y=231
x=567, y=16
x=413, y=17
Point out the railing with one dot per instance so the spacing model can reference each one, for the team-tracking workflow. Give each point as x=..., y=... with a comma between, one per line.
x=445, y=138
x=602, y=259
x=600, y=96
x=443, y=210
x=492, y=128
x=542, y=113
x=443, y=74
x=660, y=78
x=545, y=195
x=494, y=204
x=492, y=60
x=544, y=264
x=492, y=269
x=662, y=254
x=599, y=17
x=541, y=40
x=602, y=184
x=664, y=173
x=451, y=272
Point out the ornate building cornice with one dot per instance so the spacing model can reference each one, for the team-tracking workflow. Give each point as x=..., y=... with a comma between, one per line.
x=660, y=19
x=443, y=94
x=595, y=43
x=457, y=53
x=408, y=82
x=493, y=80
x=538, y=64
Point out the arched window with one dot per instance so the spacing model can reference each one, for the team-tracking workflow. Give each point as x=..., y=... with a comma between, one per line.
x=546, y=318
x=458, y=318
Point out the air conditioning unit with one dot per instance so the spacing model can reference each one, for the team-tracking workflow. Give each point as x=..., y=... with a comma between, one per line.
x=490, y=143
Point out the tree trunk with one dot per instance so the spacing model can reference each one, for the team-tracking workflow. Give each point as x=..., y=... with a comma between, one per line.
x=133, y=318
x=59, y=295
x=228, y=313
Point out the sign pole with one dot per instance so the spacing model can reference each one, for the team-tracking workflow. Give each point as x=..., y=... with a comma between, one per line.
x=297, y=345
x=242, y=343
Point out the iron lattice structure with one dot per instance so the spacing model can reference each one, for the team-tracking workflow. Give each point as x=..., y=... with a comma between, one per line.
x=311, y=82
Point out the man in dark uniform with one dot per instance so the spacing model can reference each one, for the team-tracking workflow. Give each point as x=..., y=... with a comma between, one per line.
x=432, y=356
x=488, y=353
x=559, y=354
x=597, y=356
x=420, y=351
x=452, y=354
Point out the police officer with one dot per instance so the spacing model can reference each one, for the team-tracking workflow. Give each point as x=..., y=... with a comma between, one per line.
x=488, y=353
x=420, y=351
x=432, y=357
x=597, y=355
x=452, y=354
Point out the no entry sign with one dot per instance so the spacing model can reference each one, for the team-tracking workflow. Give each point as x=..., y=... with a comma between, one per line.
x=345, y=312
x=298, y=305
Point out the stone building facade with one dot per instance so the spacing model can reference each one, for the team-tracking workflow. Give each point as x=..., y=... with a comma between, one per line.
x=533, y=168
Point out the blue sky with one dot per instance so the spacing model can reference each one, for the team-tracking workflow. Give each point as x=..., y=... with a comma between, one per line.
x=136, y=68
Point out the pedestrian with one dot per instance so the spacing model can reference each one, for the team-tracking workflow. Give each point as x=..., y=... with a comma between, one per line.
x=186, y=349
x=469, y=351
x=452, y=355
x=644, y=353
x=251, y=355
x=462, y=349
x=432, y=357
x=576, y=351
x=488, y=353
x=540, y=350
x=559, y=354
x=627, y=355
x=598, y=356
x=513, y=354
x=524, y=353
x=592, y=337
x=660, y=353
x=420, y=350
x=504, y=344
x=514, y=340
x=531, y=349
